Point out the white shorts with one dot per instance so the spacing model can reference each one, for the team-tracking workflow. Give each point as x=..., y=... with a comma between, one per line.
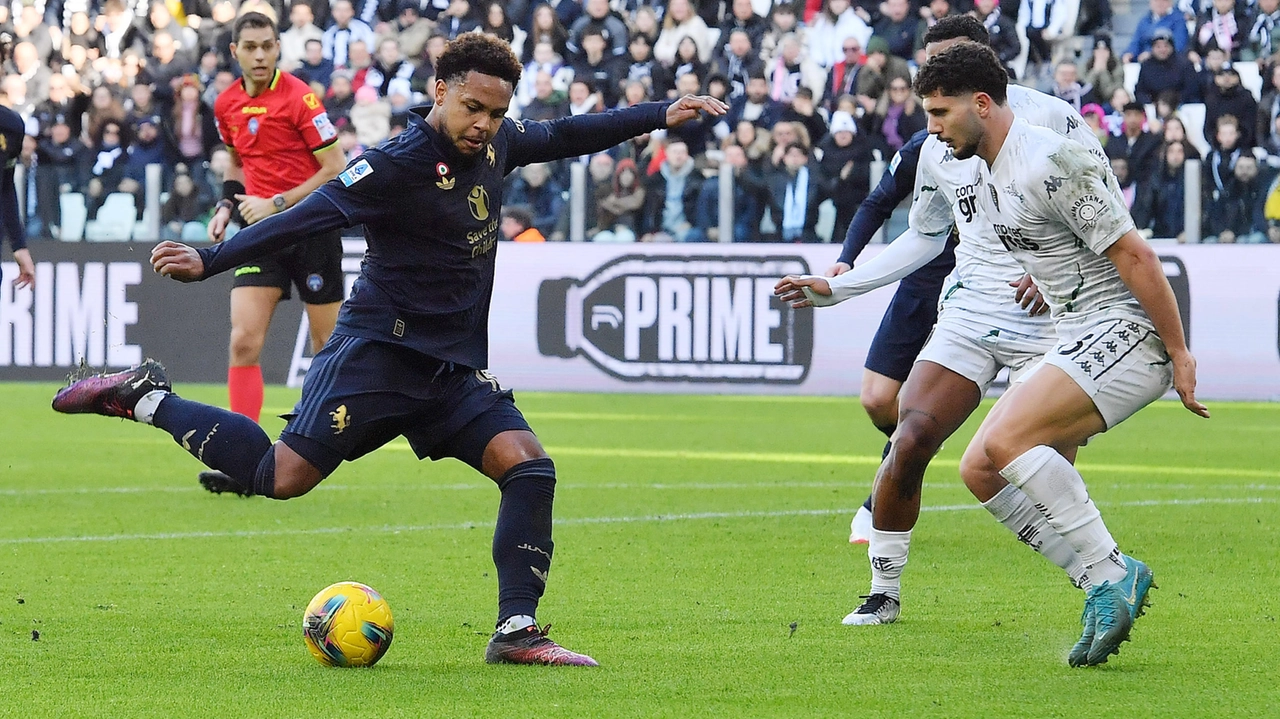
x=976, y=350
x=1120, y=364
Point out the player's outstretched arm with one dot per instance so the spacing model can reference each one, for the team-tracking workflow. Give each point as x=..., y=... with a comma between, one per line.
x=908, y=253
x=177, y=261
x=1140, y=269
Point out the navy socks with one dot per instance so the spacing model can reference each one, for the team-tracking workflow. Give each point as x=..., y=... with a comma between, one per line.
x=522, y=545
x=228, y=442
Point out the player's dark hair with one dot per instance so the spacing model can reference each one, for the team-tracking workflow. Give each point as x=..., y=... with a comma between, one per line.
x=963, y=27
x=253, y=19
x=965, y=67
x=480, y=53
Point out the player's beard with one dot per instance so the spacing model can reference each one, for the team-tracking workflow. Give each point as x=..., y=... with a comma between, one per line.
x=965, y=143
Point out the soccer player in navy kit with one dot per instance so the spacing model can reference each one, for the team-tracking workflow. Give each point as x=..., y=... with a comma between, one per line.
x=12, y=136
x=409, y=353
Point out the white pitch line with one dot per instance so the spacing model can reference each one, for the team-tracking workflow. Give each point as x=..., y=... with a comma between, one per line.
x=391, y=529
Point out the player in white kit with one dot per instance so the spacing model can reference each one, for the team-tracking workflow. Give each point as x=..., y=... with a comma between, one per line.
x=982, y=326
x=1121, y=343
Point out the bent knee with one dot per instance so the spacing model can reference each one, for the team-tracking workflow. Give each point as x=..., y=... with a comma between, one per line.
x=292, y=476
x=917, y=440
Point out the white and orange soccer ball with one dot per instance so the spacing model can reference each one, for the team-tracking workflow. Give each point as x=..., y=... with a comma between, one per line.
x=348, y=624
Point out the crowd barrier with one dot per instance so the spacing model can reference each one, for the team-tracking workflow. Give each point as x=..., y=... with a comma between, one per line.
x=583, y=317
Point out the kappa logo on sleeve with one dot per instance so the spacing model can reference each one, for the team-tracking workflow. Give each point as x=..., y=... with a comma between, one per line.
x=356, y=173
x=324, y=127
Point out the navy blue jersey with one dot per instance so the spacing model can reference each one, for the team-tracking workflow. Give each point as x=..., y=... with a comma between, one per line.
x=431, y=218
x=12, y=133
x=896, y=185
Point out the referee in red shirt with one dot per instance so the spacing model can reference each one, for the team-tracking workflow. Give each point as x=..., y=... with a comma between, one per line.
x=282, y=147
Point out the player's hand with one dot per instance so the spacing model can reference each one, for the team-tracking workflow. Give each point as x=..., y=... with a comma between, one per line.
x=1028, y=296
x=837, y=269
x=791, y=289
x=1184, y=381
x=255, y=209
x=690, y=107
x=217, y=229
x=26, y=269
x=178, y=261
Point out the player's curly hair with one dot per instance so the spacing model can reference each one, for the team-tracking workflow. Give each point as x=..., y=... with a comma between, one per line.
x=964, y=27
x=965, y=67
x=480, y=52
x=253, y=19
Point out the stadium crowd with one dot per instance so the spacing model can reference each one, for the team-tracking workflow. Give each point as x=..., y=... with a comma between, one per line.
x=820, y=90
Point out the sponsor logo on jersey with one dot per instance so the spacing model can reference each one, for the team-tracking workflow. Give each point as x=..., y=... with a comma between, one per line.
x=253, y=110
x=445, y=182
x=356, y=173
x=478, y=202
x=324, y=127
x=1086, y=210
x=694, y=319
x=311, y=101
x=893, y=164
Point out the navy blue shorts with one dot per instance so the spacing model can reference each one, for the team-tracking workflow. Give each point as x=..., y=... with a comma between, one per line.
x=906, y=326
x=360, y=394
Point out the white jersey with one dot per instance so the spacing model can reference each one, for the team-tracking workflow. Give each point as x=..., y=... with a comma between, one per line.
x=946, y=194
x=1057, y=207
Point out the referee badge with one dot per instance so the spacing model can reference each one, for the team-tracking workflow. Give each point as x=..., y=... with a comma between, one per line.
x=253, y=125
x=446, y=182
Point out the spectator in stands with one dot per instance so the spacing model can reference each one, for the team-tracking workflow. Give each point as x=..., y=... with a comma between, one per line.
x=898, y=114
x=737, y=61
x=639, y=65
x=1222, y=197
x=358, y=62
x=61, y=157
x=536, y=190
x=845, y=157
x=635, y=93
x=190, y=130
x=671, y=198
x=1214, y=61
x=899, y=26
x=1226, y=26
x=1135, y=144
x=1163, y=70
x=878, y=72
x=314, y=67
x=829, y=29
x=29, y=27
x=411, y=29
x=108, y=164
x=782, y=136
x=1268, y=110
x=68, y=99
x=293, y=42
x=792, y=70
x=598, y=19
x=494, y=21
x=517, y=226
x=1003, y=31
x=215, y=31
x=390, y=65
x=755, y=106
x=186, y=205
x=544, y=59
x=795, y=192
x=804, y=110
x=583, y=98
x=842, y=79
x=546, y=28
x=26, y=64
x=618, y=212
x=784, y=21
x=341, y=98
x=349, y=141
x=748, y=209
x=1095, y=118
x=931, y=13
x=547, y=104
x=1252, y=225
x=1174, y=131
x=371, y=117
x=80, y=31
x=1264, y=37
x=597, y=67
x=146, y=148
x=1127, y=182
x=460, y=17
x=346, y=29
x=680, y=22
x=687, y=61
x=1160, y=205
x=1104, y=71
x=1067, y=86
x=742, y=17
x=103, y=107
x=1228, y=98
x=755, y=144
x=1161, y=17
x=695, y=134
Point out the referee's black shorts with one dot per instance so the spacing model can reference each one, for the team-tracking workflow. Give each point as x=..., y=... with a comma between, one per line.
x=313, y=266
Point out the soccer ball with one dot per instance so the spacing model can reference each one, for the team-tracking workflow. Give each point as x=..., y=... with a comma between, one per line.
x=348, y=625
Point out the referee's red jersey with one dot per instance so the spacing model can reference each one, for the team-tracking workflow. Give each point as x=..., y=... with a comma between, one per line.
x=276, y=133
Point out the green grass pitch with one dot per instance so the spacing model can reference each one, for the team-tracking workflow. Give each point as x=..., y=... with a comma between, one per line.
x=691, y=533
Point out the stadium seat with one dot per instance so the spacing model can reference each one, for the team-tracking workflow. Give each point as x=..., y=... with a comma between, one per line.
x=73, y=217
x=1131, y=70
x=1192, y=115
x=115, y=221
x=1250, y=78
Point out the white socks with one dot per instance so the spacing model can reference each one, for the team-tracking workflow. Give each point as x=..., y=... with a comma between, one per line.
x=1059, y=493
x=516, y=623
x=1015, y=510
x=888, y=554
x=145, y=410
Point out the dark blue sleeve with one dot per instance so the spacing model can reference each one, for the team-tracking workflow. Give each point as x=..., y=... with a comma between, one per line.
x=315, y=215
x=530, y=142
x=9, y=211
x=896, y=185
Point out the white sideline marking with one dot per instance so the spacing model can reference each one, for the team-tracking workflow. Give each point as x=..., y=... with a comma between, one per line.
x=578, y=521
